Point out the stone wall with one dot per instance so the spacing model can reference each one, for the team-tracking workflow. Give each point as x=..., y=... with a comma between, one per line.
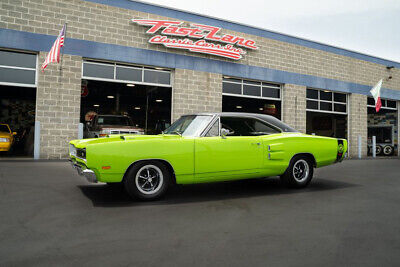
x=58, y=105
x=358, y=124
x=294, y=106
x=195, y=91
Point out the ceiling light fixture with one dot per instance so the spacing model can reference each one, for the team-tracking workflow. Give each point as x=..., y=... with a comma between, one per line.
x=238, y=106
x=261, y=109
x=130, y=85
x=96, y=105
x=158, y=100
x=110, y=96
x=137, y=107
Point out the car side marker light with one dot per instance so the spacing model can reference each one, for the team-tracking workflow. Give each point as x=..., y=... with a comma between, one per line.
x=106, y=167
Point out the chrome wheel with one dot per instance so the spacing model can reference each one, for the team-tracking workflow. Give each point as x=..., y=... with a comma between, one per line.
x=387, y=150
x=149, y=179
x=301, y=170
x=378, y=150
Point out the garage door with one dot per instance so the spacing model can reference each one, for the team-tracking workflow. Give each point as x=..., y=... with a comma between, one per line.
x=384, y=126
x=17, y=69
x=239, y=95
x=115, y=72
x=143, y=94
x=18, y=99
x=326, y=113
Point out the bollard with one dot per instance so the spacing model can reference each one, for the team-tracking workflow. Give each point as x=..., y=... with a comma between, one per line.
x=80, y=131
x=374, y=146
x=36, y=144
x=359, y=146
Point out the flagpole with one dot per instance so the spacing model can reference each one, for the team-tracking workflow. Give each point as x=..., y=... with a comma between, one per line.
x=62, y=50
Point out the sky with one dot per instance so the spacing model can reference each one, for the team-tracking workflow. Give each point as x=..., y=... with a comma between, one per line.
x=368, y=26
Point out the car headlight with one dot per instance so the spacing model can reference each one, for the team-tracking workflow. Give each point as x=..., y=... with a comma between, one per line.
x=4, y=140
x=72, y=150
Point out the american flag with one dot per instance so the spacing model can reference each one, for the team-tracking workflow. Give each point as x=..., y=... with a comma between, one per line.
x=54, y=54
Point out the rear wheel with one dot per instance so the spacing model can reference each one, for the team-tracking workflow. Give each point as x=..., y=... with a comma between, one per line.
x=299, y=173
x=147, y=180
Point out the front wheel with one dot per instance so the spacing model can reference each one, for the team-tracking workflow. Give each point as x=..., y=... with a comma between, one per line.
x=299, y=173
x=147, y=180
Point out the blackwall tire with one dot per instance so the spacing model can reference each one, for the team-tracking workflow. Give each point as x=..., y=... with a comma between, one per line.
x=378, y=150
x=148, y=180
x=388, y=150
x=115, y=185
x=299, y=173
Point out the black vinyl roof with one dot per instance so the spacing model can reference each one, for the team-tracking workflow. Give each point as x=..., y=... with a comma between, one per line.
x=267, y=118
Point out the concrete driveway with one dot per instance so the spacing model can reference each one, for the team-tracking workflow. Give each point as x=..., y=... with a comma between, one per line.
x=348, y=216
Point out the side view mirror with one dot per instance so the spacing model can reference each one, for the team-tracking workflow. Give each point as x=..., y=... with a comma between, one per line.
x=224, y=132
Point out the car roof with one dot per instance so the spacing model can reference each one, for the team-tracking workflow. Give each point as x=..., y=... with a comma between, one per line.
x=267, y=118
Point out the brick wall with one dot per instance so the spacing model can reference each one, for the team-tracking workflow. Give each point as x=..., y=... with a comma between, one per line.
x=101, y=23
x=294, y=106
x=58, y=106
x=196, y=91
x=358, y=124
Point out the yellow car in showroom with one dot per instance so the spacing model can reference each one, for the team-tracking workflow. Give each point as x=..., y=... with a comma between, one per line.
x=6, y=137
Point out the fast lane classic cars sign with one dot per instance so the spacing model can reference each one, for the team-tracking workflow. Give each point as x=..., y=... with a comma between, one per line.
x=196, y=38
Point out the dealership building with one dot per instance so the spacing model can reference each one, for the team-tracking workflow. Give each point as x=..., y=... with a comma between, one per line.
x=156, y=63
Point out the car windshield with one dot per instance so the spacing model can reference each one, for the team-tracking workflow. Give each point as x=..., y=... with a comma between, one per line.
x=4, y=129
x=114, y=120
x=192, y=125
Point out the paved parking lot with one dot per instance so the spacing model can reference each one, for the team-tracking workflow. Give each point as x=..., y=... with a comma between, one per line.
x=349, y=216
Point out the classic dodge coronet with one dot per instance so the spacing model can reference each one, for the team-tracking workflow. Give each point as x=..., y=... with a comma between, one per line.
x=206, y=147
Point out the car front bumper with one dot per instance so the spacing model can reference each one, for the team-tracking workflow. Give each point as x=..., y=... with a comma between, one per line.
x=84, y=171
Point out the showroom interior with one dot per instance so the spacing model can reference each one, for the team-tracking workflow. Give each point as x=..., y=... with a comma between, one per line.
x=142, y=93
x=18, y=99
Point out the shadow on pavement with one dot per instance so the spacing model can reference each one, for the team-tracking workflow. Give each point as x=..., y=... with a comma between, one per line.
x=114, y=196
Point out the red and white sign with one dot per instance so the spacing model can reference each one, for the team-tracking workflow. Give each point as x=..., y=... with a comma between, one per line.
x=231, y=47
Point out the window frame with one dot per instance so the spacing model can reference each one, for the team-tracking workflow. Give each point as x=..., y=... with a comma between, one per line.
x=384, y=100
x=261, y=84
x=207, y=129
x=116, y=65
x=332, y=102
x=34, y=85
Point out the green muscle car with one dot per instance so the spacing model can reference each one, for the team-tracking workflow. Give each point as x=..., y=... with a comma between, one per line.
x=206, y=147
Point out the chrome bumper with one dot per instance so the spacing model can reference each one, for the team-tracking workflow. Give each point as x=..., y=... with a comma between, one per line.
x=82, y=171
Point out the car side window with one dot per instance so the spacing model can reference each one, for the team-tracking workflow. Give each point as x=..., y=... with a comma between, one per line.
x=246, y=126
x=214, y=130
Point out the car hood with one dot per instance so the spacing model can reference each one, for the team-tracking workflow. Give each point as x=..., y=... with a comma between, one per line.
x=82, y=143
x=5, y=135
